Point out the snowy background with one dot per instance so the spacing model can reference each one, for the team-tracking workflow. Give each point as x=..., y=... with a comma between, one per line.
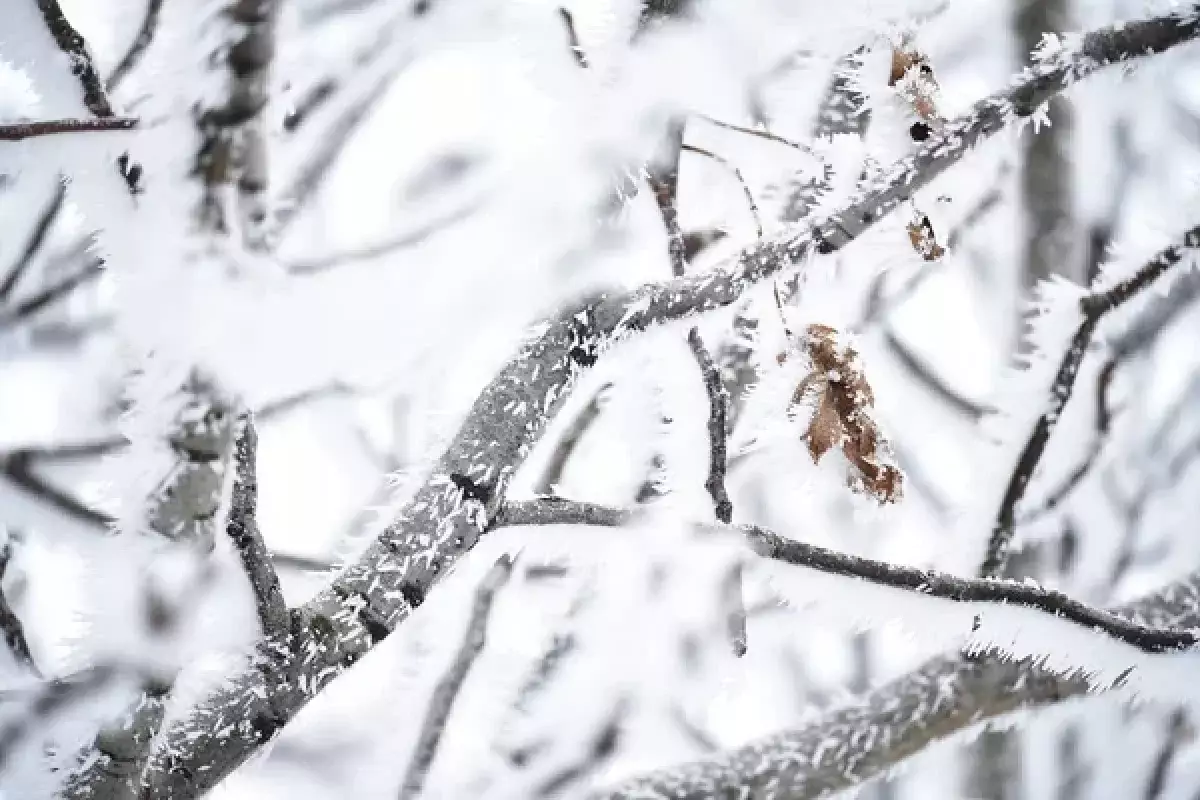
x=473, y=195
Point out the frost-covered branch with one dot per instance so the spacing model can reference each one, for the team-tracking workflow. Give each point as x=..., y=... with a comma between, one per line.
x=448, y=688
x=16, y=131
x=850, y=745
x=1093, y=308
x=74, y=46
x=242, y=527
x=467, y=485
x=766, y=544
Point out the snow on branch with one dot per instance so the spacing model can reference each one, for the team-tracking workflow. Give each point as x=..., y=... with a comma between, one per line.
x=139, y=45
x=16, y=131
x=1093, y=307
x=466, y=487
x=769, y=545
x=850, y=745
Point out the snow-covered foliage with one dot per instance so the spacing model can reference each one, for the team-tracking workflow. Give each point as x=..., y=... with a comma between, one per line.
x=446, y=259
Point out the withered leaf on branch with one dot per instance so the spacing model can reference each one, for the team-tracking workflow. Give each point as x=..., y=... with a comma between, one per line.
x=923, y=239
x=841, y=401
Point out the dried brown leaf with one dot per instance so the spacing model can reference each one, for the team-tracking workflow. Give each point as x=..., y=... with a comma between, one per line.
x=842, y=401
x=923, y=239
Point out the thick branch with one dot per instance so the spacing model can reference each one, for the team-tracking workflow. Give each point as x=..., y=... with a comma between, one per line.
x=447, y=691
x=467, y=485
x=853, y=744
x=1093, y=308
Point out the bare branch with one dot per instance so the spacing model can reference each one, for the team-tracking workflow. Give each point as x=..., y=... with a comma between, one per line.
x=737, y=174
x=18, y=131
x=447, y=691
x=37, y=238
x=1177, y=729
x=242, y=527
x=570, y=439
x=925, y=375
x=764, y=543
x=718, y=402
x=139, y=45
x=1093, y=308
x=573, y=38
x=760, y=133
x=51, y=294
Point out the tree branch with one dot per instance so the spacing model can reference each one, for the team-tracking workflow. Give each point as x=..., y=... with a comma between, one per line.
x=37, y=238
x=51, y=294
x=764, y=543
x=242, y=527
x=74, y=46
x=1093, y=308
x=855, y=743
x=447, y=691
x=466, y=487
x=17, y=131
x=139, y=45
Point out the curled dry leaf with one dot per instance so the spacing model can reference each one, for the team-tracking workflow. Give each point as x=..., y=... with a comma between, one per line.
x=923, y=239
x=841, y=401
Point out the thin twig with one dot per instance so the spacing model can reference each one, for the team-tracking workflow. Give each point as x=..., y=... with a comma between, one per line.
x=242, y=528
x=37, y=238
x=573, y=38
x=311, y=177
x=447, y=691
x=568, y=442
x=601, y=748
x=718, y=404
x=10, y=623
x=926, y=582
x=1093, y=308
x=761, y=134
x=18, y=131
x=51, y=294
x=139, y=45
x=1176, y=731
x=927, y=377
x=737, y=173
x=718, y=410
